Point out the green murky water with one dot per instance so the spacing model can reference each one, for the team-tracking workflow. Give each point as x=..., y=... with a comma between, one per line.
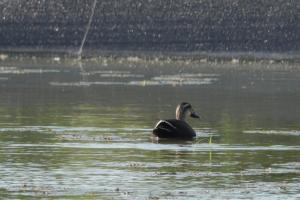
x=72, y=130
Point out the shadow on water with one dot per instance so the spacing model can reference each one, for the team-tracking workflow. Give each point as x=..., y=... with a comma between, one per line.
x=72, y=133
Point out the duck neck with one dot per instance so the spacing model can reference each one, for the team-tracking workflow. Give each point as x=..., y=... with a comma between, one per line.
x=180, y=115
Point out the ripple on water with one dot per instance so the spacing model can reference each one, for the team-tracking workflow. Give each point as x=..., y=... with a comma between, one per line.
x=121, y=167
x=125, y=138
x=4, y=78
x=112, y=74
x=171, y=80
x=15, y=70
x=130, y=184
x=68, y=129
x=274, y=132
x=288, y=165
x=148, y=146
x=100, y=134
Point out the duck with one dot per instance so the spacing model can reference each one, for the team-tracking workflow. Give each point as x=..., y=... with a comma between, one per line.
x=177, y=128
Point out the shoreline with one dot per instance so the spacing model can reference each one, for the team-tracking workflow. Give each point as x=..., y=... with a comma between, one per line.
x=214, y=60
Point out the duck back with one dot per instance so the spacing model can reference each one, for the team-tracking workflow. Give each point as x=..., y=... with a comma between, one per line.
x=173, y=128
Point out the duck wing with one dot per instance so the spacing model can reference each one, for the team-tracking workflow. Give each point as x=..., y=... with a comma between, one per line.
x=173, y=128
x=164, y=129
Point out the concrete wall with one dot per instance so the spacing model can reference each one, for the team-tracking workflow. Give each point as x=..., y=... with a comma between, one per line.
x=166, y=25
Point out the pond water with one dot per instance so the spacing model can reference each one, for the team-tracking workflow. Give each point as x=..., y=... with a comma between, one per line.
x=82, y=129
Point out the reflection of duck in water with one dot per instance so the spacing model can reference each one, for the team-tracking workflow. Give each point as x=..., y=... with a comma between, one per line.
x=177, y=128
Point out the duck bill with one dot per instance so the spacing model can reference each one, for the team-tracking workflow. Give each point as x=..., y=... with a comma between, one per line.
x=195, y=115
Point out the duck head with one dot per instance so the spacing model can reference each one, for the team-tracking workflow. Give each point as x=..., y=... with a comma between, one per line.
x=185, y=109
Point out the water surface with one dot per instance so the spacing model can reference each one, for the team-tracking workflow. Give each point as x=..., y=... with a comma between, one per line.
x=76, y=130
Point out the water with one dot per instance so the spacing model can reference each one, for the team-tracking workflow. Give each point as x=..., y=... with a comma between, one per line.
x=83, y=131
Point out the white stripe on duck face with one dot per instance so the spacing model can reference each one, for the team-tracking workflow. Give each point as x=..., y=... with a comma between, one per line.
x=184, y=110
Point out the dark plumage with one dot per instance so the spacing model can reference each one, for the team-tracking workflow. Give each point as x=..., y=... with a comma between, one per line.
x=177, y=128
